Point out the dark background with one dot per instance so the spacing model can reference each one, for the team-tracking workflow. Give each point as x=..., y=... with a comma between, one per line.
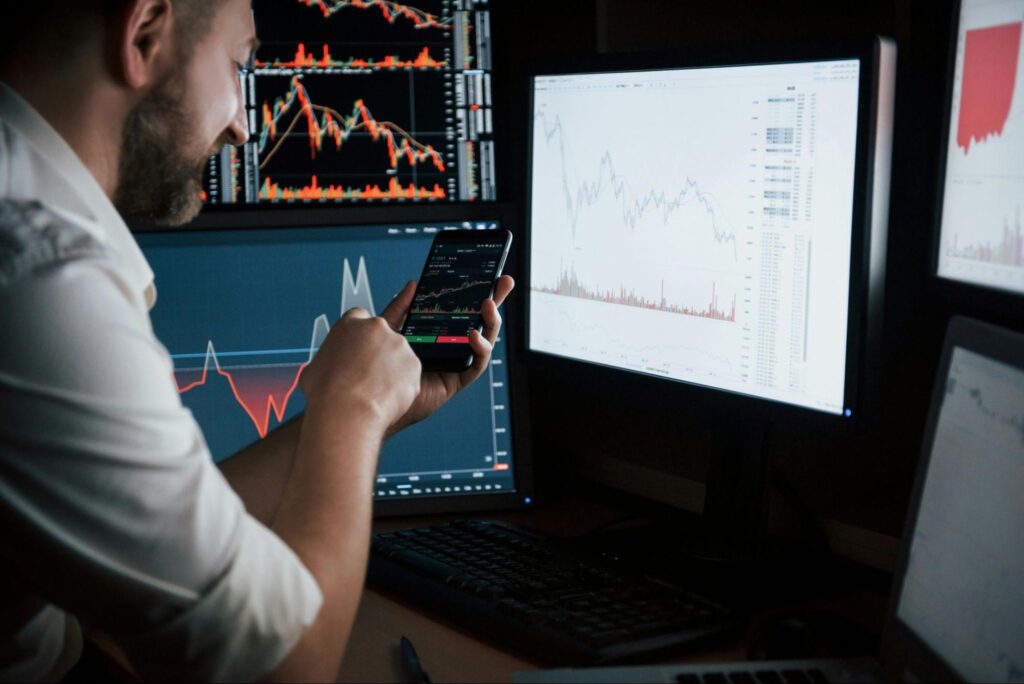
x=579, y=412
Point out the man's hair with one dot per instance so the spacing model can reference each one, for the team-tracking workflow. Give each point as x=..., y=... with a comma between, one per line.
x=58, y=27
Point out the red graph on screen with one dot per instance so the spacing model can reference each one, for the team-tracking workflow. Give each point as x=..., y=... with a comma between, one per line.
x=259, y=390
x=325, y=60
x=989, y=73
x=271, y=191
x=263, y=390
x=332, y=125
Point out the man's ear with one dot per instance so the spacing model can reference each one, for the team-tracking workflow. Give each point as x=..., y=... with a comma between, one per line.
x=145, y=41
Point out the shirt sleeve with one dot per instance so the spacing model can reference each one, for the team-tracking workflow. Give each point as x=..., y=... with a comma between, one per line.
x=111, y=506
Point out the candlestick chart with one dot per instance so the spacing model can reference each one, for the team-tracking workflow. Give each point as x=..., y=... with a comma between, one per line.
x=346, y=77
x=243, y=313
x=984, y=178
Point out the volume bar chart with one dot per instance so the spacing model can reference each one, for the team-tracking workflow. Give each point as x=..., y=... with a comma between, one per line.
x=326, y=61
x=569, y=285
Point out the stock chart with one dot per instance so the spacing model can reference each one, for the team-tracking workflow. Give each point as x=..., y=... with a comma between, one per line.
x=959, y=594
x=695, y=224
x=242, y=313
x=364, y=100
x=982, y=239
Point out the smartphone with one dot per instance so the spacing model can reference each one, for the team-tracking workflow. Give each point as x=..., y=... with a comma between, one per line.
x=461, y=271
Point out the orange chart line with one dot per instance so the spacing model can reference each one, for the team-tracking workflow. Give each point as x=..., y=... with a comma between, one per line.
x=391, y=11
x=361, y=118
x=262, y=424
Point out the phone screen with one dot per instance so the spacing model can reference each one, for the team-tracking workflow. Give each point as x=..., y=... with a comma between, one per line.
x=457, y=278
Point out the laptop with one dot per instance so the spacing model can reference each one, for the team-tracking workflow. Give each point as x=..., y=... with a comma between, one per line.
x=957, y=606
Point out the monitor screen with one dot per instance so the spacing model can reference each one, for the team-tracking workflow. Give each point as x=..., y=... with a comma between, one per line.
x=696, y=224
x=961, y=593
x=243, y=311
x=364, y=101
x=982, y=236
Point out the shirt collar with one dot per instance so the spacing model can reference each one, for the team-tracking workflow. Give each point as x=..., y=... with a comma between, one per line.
x=90, y=204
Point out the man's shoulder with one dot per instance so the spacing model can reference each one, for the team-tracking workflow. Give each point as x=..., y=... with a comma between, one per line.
x=35, y=237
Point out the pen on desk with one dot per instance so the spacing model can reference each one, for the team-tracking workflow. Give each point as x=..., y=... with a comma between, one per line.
x=412, y=662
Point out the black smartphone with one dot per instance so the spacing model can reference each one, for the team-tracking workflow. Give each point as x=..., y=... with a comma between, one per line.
x=461, y=271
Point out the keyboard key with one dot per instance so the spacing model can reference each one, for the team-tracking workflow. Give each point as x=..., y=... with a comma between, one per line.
x=767, y=677
x=740, y=678
x=795, y=677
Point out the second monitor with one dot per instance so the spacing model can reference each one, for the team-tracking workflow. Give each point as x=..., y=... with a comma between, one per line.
x=712, y=219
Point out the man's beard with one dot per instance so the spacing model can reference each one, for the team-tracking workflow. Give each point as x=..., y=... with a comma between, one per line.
x=157, y=180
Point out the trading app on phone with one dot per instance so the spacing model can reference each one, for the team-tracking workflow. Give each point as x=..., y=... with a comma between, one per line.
x=456, y=280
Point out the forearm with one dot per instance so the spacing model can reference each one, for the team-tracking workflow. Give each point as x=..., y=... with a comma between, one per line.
x=325, y=517
x=259, y=473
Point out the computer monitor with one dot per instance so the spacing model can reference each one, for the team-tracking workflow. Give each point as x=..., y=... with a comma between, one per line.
x=355, y=102
x=981, y=226
x=716, y=220
x=244, y=301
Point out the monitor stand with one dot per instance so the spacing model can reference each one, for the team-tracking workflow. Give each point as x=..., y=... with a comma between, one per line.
x=736, y=497
x=722, y=548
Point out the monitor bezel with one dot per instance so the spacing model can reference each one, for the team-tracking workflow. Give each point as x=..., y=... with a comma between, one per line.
x=958, y=290
x=861, y=295
x=322, y=215
x=902, y=650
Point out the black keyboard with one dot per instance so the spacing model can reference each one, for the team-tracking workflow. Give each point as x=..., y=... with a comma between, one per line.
x=787, y=676
x=540, y=595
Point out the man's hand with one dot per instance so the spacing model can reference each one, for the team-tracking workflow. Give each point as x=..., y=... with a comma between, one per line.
x=437, y=388
x=363, y=365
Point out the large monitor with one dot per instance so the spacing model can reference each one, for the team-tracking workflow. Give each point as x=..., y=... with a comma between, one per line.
x=245, y=300
x=367, y=101
x=716, y=220
x=981, y=237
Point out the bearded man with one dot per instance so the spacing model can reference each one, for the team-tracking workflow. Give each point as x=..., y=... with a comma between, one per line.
x=114, y=516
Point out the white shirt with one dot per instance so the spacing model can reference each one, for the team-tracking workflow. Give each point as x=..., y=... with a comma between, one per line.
x=111, y=508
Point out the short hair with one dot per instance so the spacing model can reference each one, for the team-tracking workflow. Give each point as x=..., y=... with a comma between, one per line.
x=59, y=26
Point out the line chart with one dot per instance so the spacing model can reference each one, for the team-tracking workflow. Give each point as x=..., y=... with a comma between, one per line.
x=263, y=390
x=339, y=128
x=259, y=390
x=587, y=192
x=391, y=11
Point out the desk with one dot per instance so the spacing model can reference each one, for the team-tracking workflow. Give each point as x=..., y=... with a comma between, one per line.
x=451, y=654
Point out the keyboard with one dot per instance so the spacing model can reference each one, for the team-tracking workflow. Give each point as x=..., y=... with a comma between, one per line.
x=817, y=671
x=546, y=597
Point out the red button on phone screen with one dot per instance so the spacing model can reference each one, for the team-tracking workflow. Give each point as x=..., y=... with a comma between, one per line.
x=453, y=340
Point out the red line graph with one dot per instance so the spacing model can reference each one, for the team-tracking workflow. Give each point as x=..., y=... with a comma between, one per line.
x=989, y=73
x=391, y=11
x=308, y=60
x=337, y=127
x=259, y=390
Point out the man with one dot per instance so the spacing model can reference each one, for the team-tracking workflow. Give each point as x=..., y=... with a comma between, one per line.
x=113, y=515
